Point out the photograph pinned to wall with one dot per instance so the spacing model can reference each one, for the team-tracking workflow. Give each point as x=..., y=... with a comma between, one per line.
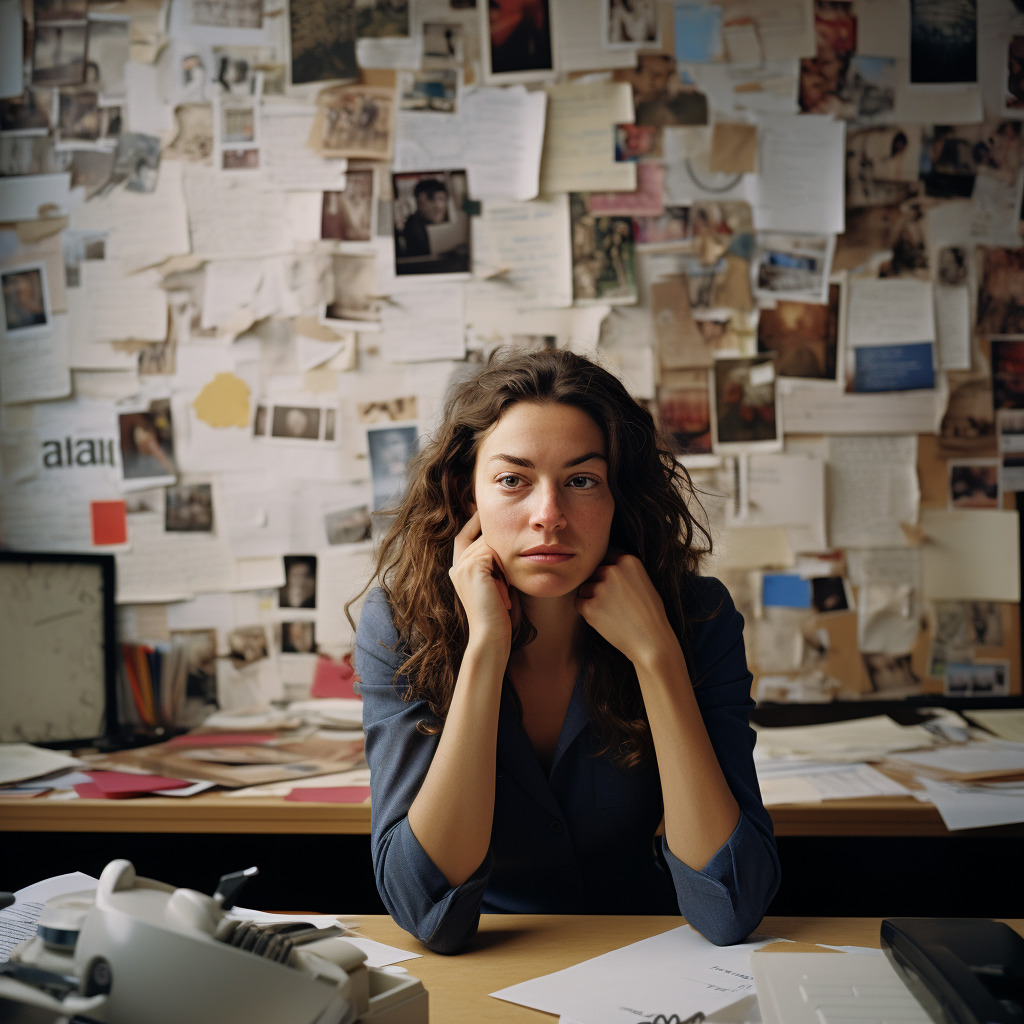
x=882, y=164
x=297, y=636
x=296, y=422
x=999, y=271
x=247, y=645
x=1010, y=430
x=891, y=675
x=350, y=215
x=357, y=122
x=870, y=88
x=189, y=508
x=26, y=299
x=793, y=266
x=355, y=301
x=200, y=647
x=136, y=163
x=431, y=226
x=108, y=53
x=684, y=411
x=630, y=24
x=824, y=78
x=31, y=113
x=390, y=449
x=977, y=679
x=388, y=410
x=249, y=70
x=227, y=13
x=603, y=256
x=322, y=41
x=974, y=483
x=433, y=89
x=147, y=446
x=1007, y=355
x=236, y=133
x=635, y=142
x=830, y=594
x=348, y=525
x=669, y=230
x=58, y=53
x=516, y=43
x=943, y=43
x=299, y=590
x=382, y=19
x=744, y=404
x=81, y=245
x=443, y=44
x=720, y=330
x=968, y=426
x=247, y=159
x=78, y=118
x=661, y=98
x=804, y=337
x=954, y=155
x=1013, y=96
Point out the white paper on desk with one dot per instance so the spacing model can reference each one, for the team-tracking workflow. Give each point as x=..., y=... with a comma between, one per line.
x=20, y=761
x=36, y=368
x=354, y=777
x=854, y=780
x=872, y=489
x=971, y=807
x=970, y=555
x=789, y=789
x=142, y=228
x=421, y=323
x=523, y=250
x=971, y=758
x=861, y=739
x=801, y=173
x=677, y=972
x=579, y=138
x=288, y=162
x=18, y=921
x=1006, y=723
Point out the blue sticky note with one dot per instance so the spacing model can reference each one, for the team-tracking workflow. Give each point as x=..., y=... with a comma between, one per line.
x=784, y=590
x=698, y=33
x=893, y=367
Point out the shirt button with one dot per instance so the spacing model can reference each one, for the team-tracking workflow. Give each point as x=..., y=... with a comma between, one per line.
x=554, y=825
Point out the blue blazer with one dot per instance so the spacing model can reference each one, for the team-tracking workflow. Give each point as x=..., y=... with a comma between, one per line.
x=579, y=839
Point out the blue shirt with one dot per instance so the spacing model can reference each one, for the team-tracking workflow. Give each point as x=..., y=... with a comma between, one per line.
x=579, y=839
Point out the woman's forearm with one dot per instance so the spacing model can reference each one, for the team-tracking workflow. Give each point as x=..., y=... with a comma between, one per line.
x=452, y=814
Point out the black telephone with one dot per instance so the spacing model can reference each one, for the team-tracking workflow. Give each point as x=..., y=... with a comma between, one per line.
x=961, y=970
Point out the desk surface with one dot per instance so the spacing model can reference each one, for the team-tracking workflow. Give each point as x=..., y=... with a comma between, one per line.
x=217, y=813
x=514, y=948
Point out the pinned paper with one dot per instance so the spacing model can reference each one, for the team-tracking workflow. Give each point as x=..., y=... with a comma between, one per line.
x=224, y=402
x=109, y=522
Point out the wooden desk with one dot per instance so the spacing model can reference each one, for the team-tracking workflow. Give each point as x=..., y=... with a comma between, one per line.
x=513, y=948
x=215, y=813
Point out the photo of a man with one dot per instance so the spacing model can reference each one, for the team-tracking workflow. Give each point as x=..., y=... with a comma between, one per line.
x=299, y=590
x=431, y=226
x=25, y=298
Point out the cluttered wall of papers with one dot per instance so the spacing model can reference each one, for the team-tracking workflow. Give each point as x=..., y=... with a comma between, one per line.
x=246, y=244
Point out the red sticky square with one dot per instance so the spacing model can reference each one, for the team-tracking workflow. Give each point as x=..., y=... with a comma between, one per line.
x=109, y=522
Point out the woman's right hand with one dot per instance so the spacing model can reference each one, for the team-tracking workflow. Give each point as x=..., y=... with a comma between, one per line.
x=479, y=581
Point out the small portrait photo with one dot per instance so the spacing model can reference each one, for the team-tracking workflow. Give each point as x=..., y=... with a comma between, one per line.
x=390, y=410
x=188, y=508
x=26, y=299
x=684, y=412
x=999, y=308
x=1013, y=101
x=974, y=484
x=968, y=426
x=804, y=337
x=299, y=590
x=431, y=224
x=891, y=675
x=201, y=674
x=354, y=300
x=744, y=403
x=1007, y=373
x=78, y=117
x=357, y=122
x=240, y=159
x=247, y=645
x=348, y=525
x=632, y=23
x=350, y=215
x=443, y=44
x=298, y=637
x=951, y=267
x=977, y=679
x=390, y=449
x=236, y=76
x=435, y=90
x=637, y=142
x=515, y=40
x=603, y=255
x=147, y=445
x=58, y=54
x=299, y=422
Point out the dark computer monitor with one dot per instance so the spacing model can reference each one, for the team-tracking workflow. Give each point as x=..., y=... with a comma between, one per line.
x=58, y=649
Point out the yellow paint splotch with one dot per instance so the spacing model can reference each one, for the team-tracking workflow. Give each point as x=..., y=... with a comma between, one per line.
x=224, y=402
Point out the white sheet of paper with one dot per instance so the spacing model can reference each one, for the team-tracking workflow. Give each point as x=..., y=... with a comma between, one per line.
x=970, y=555
x=933, y=104
x=30, y=196
x=578, y=39
x=1006, y=723
x=971, y=758
x=849, y=782
x=801, y=174
x=953, y=327
x=422, y=323
x=888, y=618
x=37, y=366
x=644, y=978
x=21, y=761
x=120, y=305
x=784, y=31
x=751, y=547
x=889, y=311
x=824, y=411
x=860, y=739
x=143, y=228
x=579, y=138
x=346, y=569
x=523, y=252
x=288, y=162
x=962, y=808
x=424, y=138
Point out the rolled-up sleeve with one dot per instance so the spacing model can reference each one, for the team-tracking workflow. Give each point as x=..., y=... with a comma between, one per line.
x=727, y=898
x=414, y=890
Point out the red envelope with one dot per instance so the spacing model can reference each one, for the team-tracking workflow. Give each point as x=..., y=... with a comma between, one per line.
x=118, y=784
x=330, y=794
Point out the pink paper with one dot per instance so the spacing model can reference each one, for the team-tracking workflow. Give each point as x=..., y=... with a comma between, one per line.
x=127, y=783
x=333, y=679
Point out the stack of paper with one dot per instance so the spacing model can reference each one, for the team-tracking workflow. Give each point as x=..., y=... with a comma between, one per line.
x=862, y=739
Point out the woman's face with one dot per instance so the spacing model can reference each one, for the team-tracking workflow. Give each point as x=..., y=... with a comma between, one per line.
x=541, y=487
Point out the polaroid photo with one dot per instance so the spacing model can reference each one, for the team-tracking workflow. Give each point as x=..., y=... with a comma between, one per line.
x=516, y=43
x=977, y=679
x=296, y=422
x=299, y=589
x=631, y=24
x=431, y=226
x=796, y=267
x=744, y=410
x=297, y=636
x=350, y=215
x=804, y=337
x=26, y=300
x=236, y=133
x=147, y=446
x=356, y=122
x=390, y=448
x=974, y=483
x=188, y=508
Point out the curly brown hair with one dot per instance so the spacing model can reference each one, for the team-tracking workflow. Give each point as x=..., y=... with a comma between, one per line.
x=652, y=520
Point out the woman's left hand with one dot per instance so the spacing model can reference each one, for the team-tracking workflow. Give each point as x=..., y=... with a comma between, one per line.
x=620, y=602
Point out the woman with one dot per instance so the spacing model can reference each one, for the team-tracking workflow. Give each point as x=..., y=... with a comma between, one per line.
x=555, y=702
